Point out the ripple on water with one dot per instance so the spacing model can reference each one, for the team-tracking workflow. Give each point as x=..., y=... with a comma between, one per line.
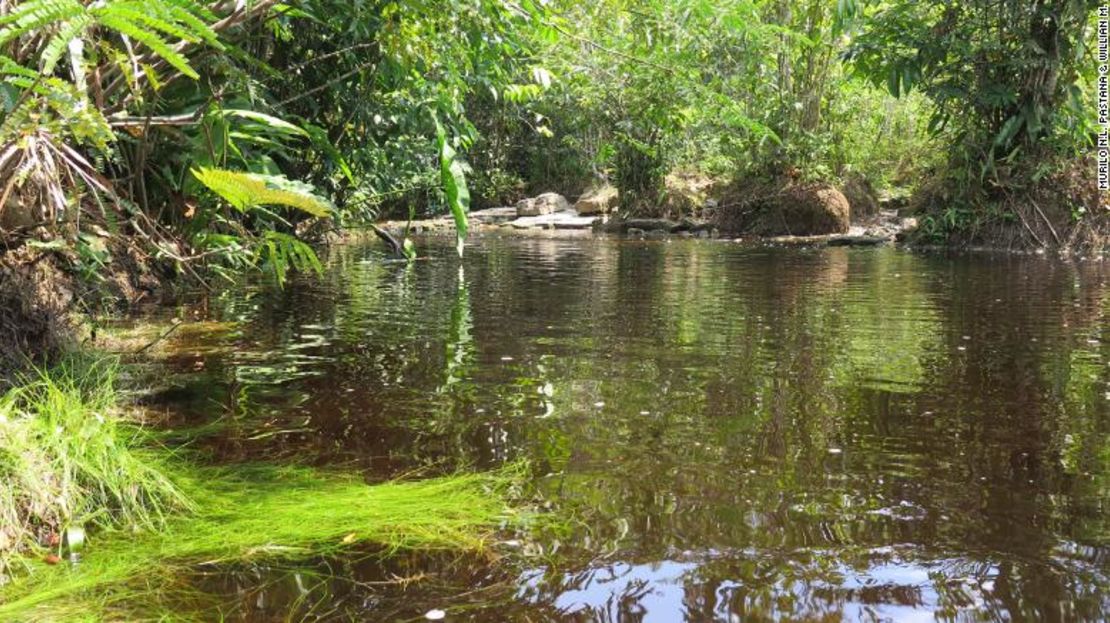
x=739, y=431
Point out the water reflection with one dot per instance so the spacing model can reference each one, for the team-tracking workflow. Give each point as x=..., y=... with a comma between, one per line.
x=739, y=432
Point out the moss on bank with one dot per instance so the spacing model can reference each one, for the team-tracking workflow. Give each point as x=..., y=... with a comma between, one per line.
x=156, y=515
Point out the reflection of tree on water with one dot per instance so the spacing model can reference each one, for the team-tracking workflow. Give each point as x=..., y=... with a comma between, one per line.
x=806, y=400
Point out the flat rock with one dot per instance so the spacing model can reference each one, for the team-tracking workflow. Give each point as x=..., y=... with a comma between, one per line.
x=576, y=222
x=567, y=219
x=798, y=240
x=493, y=215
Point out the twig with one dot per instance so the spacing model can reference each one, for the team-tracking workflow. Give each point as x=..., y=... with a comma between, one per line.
x=1029, y=229
x=317, y=59
x=1047, y=222
x=327, y=84
x=174, y=120
x=164, y=335
x=592, y=43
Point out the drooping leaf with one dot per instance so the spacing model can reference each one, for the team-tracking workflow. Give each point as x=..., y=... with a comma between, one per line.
x=453, y=178
x=269, y=121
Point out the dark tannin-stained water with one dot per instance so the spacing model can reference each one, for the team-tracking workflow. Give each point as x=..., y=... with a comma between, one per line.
x=735, y=433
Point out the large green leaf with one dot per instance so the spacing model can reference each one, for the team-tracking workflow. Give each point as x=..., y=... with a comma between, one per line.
x=453, y=176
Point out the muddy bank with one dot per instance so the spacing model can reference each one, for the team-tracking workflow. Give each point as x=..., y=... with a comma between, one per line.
x=50, y=294
x=1056, y=208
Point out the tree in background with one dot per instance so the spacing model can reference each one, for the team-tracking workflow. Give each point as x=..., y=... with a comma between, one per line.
x=1006, y=82
x=726, y=89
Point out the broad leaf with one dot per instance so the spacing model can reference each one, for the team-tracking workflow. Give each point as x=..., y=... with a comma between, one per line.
x=453, y=177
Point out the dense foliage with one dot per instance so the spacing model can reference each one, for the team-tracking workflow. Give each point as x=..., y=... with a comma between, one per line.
x=218, y=134
x=722, y=88
x=1007, y=84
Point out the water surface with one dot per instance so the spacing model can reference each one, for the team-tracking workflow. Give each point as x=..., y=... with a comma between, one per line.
x=740, y=433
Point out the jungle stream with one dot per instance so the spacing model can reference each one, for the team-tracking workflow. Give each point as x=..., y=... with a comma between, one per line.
x=726, y=431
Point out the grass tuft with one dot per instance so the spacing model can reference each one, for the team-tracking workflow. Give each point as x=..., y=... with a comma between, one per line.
x=67, y=459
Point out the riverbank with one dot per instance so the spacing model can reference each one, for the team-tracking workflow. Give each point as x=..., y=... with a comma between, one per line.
x=95, y=510
x=783, y=217
x=885, y=227
x=1057, y=211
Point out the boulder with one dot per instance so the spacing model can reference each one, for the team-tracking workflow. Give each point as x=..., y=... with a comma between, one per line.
x=810, y=210
x=686, y=193
x=598, y=201
x=546, y=203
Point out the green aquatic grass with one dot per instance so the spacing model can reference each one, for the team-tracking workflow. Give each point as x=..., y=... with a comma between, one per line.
x=267, y=512
x=69, y=457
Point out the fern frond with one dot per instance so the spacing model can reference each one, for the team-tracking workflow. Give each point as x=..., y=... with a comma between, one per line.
x=57, y=45
x=10, y=68
x=192, y=7
x=158, y=25
x=282, y=252
x=150, y=39
x=247, y=190
x=198, y=27
x=31, y=17
x=150, y=17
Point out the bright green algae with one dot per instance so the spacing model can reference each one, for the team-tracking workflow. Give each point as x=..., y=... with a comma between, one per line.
x=251, y=512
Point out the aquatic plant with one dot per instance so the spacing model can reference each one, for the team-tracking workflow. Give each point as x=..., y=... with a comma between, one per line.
x=69, y=459
x=265, y=512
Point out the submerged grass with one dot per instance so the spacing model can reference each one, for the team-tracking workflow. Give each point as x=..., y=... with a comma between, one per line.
x=268, y=512
x=157, y=516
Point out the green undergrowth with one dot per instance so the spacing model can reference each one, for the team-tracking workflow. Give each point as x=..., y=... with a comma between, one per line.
x=163, y=515
x=265, y=512
x=69, y=458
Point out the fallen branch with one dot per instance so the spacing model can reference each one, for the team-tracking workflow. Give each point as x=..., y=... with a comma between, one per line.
x=165, y=334
x=1046, y=222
